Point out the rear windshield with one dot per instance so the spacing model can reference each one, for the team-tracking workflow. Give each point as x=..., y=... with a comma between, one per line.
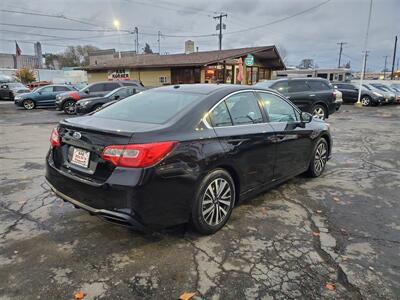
x=149, y=107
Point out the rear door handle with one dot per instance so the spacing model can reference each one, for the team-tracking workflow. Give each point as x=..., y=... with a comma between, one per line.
x=312, y=95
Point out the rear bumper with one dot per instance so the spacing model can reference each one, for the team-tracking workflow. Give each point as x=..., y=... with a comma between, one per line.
x=106, y=215
x=138, y=198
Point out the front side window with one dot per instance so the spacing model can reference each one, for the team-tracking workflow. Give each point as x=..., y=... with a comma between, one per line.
x=281, y=87
x=244, y=109
x=278, y=110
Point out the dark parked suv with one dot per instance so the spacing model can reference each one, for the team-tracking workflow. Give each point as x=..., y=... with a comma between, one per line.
x=67, y=101
x=313, y=95
x=350, y=94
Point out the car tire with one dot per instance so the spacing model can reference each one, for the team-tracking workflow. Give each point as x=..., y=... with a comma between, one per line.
x=69, y=107
x=319, y=111
x=319, y=158
x=214, y=202
x=366, y=100
x=28, y=104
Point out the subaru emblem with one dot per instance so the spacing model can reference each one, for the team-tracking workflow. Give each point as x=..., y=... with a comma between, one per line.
x=76, y=135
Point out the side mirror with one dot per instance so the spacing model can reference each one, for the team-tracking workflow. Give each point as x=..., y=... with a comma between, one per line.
x=39, y=92
x=305, y=117
x=116, y=97
x=87, y=91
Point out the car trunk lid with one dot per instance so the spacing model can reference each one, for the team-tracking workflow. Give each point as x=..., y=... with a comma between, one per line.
x=83, y=140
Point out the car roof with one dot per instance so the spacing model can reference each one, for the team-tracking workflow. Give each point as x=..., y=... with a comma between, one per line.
x=208, y=88
x=113, y=81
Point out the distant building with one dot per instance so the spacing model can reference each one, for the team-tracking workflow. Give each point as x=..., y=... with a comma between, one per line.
x=189, y=47
x=154, y=70
x=11, y=61
x=102, y=56
x=39, y=56
x=373, y=75
x=338, y=74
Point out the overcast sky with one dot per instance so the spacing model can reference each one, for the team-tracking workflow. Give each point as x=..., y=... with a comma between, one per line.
x=313, y=34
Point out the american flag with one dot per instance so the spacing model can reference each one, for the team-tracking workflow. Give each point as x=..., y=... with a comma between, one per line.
x=17, y=49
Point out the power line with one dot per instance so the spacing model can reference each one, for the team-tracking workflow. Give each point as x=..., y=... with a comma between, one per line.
x=58, y=28
x=50, y=16
x=280, y=20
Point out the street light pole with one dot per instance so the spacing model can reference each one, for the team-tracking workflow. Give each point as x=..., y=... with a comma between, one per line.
x=340, y=52
x=358, y=103
x=384, y=69
x=394, y=58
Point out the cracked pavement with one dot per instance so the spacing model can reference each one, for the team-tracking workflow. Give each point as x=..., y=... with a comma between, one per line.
x=288, y=243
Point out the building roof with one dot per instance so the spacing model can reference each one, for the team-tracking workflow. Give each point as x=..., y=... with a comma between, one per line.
x=268, y=53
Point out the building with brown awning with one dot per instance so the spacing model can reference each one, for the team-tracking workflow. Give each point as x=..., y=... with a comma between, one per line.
x=221, y=66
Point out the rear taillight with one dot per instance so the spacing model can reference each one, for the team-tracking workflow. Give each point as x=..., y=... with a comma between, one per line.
x=55, y=138
x=137, y=155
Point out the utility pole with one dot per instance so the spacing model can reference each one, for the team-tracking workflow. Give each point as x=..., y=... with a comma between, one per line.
x=340, y=52
x=358, y=103
x=221, y=15
x=394, y=57
x=159, y=42
x=365, y=63
x=136, y=32
x=384, y=69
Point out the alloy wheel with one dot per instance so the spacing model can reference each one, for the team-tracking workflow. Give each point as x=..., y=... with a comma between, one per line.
x=365, y=101
x=320, y=158
x=29, y=104
x=319, y=113
x=69, y=107
x=216, y=202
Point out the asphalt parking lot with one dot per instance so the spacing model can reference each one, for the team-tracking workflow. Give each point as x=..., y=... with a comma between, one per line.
x=334, y=237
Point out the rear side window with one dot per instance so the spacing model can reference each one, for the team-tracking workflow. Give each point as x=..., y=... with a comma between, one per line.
x=219, y=116
x=318, y=85
x=149, y=107
x=111, y=86
x=277, y=109
x=298, y=86
x=96, y=88
x=244, y=109
x=129, y=84
x=61, y=89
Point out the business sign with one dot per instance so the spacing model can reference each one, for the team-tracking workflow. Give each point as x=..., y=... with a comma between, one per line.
x=119, y=75
x=249, y=60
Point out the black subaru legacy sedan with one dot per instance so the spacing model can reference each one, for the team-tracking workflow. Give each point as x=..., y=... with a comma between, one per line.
x=183, y=153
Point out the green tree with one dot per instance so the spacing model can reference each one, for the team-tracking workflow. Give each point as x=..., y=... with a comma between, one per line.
x=25, y=75
x=75, y=56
